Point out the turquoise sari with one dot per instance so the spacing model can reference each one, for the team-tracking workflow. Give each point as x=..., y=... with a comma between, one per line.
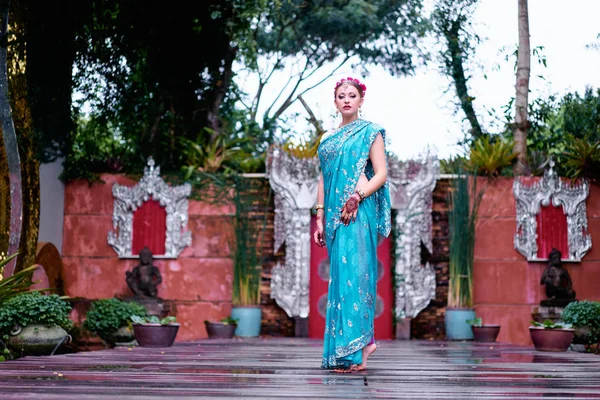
x=352, y=249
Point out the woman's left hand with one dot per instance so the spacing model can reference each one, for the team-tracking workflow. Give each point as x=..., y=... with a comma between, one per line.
x=350, y=209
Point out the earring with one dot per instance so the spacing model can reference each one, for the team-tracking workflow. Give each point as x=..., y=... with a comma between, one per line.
x=360, y=113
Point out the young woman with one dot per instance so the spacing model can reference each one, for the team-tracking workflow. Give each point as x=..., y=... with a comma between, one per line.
x=353, y=207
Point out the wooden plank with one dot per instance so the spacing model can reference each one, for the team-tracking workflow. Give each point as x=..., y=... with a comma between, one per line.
x=276, y=368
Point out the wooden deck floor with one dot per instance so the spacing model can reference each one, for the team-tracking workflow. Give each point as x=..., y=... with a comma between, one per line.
x=276, y=368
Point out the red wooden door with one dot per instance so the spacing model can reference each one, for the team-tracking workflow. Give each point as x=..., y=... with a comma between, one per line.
x=319, y=278
x=149, y=228
x=552, y=231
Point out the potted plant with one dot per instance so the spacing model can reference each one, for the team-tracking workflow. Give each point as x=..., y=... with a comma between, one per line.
x=584, y=316
x=33, y=323
x=222, y=329
x=464, y=206
x=150, y=331
x=551, y=336
x=110, y=319
x=246, y=272
x=483, y=333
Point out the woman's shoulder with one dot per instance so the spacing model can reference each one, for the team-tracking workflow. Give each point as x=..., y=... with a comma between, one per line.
x=374, y=126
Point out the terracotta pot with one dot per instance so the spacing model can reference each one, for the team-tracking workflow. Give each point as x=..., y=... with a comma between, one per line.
x=551, y=339
x=486, y=333
x=219, y=330
x=155, y=335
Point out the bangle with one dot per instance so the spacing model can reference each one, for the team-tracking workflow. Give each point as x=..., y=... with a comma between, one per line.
x=319, y=207
x=360, y=193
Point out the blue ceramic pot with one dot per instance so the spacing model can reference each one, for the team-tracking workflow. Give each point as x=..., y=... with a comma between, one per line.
x=455, y=322
x=248, y=320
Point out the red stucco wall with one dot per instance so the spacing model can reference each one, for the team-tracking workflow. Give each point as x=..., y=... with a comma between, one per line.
x=506, y=286
x=197, y=284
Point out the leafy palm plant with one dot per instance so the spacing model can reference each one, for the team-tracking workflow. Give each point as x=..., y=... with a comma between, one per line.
x=490, y=157
x=583, y=159
x=464, y=205
x=16, y=283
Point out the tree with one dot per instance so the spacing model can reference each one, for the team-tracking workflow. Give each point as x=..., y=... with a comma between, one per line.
x=308, y=37
x=452, y=23
x=10, y=145
x=155, y=74
x=522, y=91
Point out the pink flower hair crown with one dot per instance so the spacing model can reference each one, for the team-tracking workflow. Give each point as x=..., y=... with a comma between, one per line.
x=344, y=82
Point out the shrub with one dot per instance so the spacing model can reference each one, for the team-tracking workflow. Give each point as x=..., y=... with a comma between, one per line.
x=34, y=308
x=584, y=314
x=106, y=316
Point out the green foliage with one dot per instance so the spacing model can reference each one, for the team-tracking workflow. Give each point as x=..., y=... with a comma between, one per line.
x=224, y=154
x=490, y=156
x=96, y=148
x=5, y=355
x=584, y=314
x=452, y=164
x=475, y=322
x=247, y=243
x=16, y=283
x=582, y=160
x=464, y=203
x=246, y=262
x=34, y=308
x=565, y=130
x=301, y=40
x=549, y=324
x=106, y=316
x=153, y=319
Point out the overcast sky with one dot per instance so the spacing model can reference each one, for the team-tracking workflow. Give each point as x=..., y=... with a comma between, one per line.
x=417, y=113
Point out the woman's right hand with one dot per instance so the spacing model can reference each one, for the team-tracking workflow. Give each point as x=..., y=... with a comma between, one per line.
x=318, y=234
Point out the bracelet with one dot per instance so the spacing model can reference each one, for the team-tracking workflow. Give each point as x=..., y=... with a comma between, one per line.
x=360, y=193
x=319, y=207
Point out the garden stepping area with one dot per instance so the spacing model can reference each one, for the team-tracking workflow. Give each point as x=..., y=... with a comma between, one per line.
x=275, y=368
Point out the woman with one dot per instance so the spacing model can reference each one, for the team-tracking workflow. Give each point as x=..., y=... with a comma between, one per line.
x=353, y=207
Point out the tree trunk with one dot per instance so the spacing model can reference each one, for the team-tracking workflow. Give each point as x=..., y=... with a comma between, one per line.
x=10, y=145
x=214, y=115
x=522, y=86
x=455, y=66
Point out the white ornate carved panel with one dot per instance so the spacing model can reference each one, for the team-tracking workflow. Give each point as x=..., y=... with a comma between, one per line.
x=550, y=189
x=294, y=182
x=411, y=186
x=128, y=199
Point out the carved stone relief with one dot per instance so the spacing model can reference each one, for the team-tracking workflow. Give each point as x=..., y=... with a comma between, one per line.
x=550, y=188
x=128, y=199
x=294, y=182
x=411, y=187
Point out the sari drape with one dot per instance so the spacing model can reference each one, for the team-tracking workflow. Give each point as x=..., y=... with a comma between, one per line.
x=352, y=249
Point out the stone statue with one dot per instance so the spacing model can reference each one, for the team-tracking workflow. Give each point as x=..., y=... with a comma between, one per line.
x=145, y=277
x=556, y=278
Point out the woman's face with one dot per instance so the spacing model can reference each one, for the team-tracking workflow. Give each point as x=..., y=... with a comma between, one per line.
x=348, y=100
